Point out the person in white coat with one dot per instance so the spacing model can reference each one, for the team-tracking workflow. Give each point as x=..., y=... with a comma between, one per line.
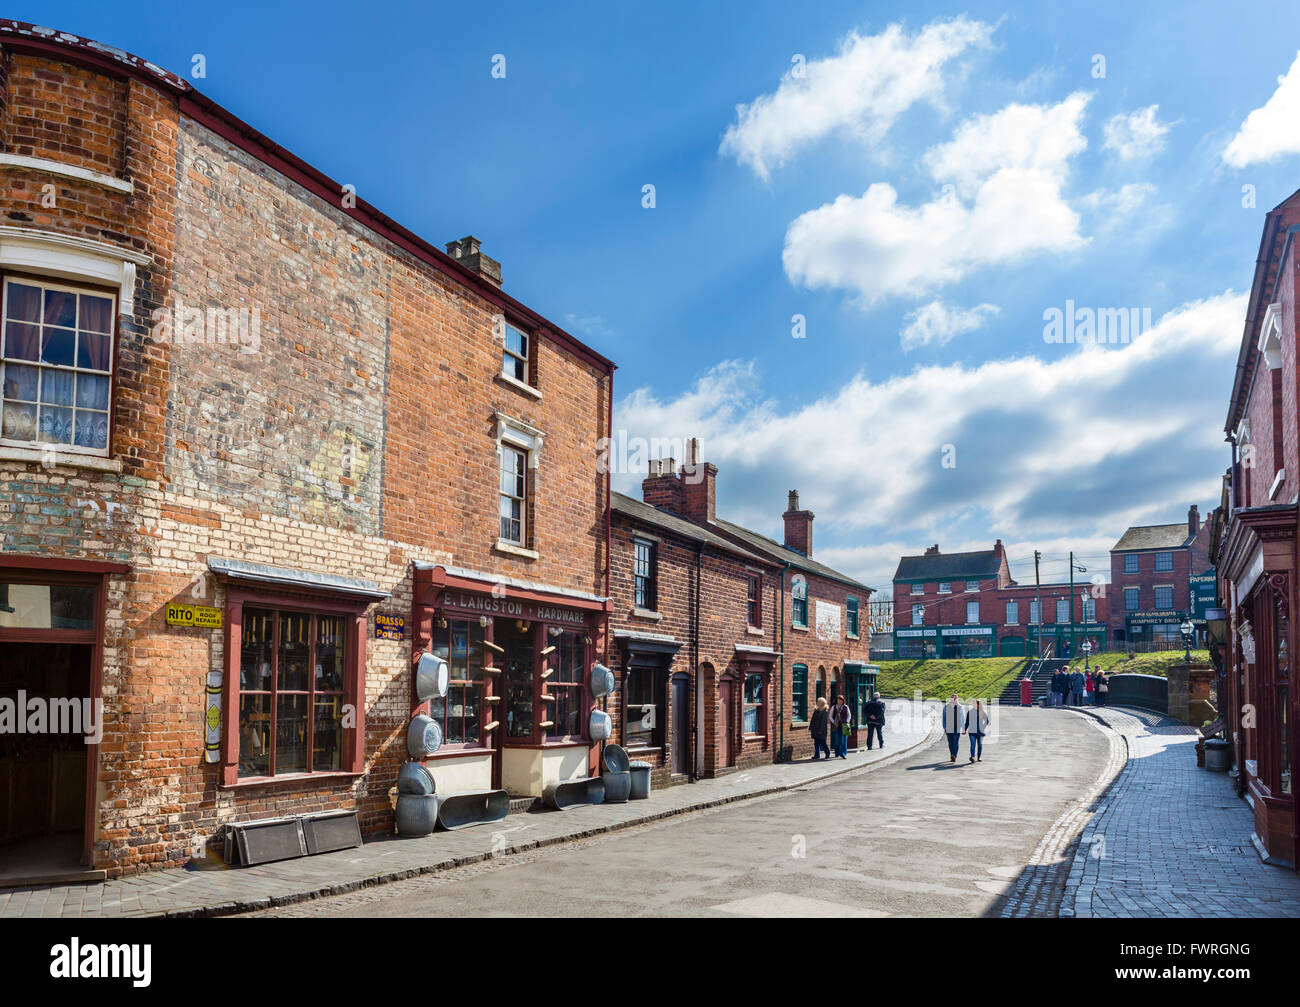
x=953, y=718
x=977, y=722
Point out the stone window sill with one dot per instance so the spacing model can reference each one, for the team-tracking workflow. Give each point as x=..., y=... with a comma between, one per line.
x=514, y=550
x=519, y=386
x=645, y=613
x=796, y=626
x=62, y=459
x=339, y=776
x=63, y=170
x=754, y=630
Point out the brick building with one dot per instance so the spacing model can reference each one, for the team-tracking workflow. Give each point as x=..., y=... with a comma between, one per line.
x=261, y=446
x=965, y=604
x=1151, y=567
x=1256, y=539
x=774, y=629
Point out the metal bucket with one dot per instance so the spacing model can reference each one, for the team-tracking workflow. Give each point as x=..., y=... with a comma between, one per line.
x=574, y=793
x=417, y=814
x=1218, y=755
x=615, y=759
x=431, y=677
x=423, y=737
x=618, y=787
x=413, y=778
x=601, y=726
x=640, y=780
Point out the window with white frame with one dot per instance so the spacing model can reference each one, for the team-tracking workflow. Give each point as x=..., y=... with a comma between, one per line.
x=1013, y=613
x=57, y=348
x=918, y=615
x=945, y=587
x=1062, y=610
x=1164, y=562
x=1035, y=614
x=514, y=495
x=1090, y=609
x=1164, y=598
x=972, y=585
x=972, y=612
x=514, y=354
x=918, y=589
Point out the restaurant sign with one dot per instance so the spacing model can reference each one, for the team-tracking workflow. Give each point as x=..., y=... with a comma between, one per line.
x=511, y=608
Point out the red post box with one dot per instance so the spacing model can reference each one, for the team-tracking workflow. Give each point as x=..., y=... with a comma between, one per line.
x=1026, y=692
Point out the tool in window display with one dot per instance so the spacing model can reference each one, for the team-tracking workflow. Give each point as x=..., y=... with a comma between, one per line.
x=490, y=670
x=494, y=647
x=491, y=727
x=547, y=650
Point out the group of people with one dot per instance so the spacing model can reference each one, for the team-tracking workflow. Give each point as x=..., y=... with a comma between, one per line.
x=972, y=721
x=1075, y=687
x=838, y=721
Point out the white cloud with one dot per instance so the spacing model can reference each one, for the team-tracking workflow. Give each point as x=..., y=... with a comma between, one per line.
x=1130, y=440
x=864, y=89
x=939, y=323
x=1137, y=135
x=1271, y=130
x=1004, y=175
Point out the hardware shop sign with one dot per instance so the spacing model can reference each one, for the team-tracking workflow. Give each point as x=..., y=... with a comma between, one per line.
x=511, y=608
x=199, y=616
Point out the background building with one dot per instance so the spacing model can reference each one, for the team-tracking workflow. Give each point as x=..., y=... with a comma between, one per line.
x=1151, y=568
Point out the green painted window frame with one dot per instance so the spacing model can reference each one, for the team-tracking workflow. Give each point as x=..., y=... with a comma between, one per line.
x=851, y=622
x=798, y=604
x=799, y=694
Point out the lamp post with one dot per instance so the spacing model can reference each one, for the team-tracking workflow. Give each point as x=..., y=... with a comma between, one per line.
x=1086, y=647
x=1187, y=629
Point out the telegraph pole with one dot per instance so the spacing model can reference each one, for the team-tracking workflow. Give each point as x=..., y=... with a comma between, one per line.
x=1039, y=586
x=1071, y=604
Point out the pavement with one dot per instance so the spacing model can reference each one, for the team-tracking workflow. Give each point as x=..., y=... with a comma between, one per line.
x=1170, y=840
x=913, y=836
x=214, y=890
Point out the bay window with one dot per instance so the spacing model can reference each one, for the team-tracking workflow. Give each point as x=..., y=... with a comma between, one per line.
x=569, y=659
x=460, y=712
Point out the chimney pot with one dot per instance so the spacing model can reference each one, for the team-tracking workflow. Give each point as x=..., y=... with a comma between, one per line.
x=468, y=252
x=798, y=526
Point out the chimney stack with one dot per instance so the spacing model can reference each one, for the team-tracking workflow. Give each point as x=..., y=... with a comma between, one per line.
x=1193, y=521
x=699, y=485
x=467, y=252
x=661, y=488
x=798, y=526
x=933, y=550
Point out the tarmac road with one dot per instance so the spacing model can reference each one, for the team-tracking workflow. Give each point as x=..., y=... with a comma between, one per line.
x=918, y=837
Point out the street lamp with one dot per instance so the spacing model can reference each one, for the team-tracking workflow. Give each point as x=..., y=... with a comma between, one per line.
x=1086, y=647
x=1187, y=629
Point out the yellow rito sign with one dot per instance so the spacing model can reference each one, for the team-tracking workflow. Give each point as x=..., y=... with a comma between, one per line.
x=194, y=615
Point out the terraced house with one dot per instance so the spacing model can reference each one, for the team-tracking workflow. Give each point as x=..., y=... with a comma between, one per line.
x=261, y=447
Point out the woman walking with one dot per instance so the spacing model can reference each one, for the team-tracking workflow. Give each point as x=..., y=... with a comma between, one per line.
x=817, y=728
x=977, y=722
x=841, y=725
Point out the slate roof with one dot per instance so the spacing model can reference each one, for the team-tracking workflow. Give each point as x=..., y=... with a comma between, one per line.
x=949, y=566
x=775, y=550
x=644, y=512
x=1153, y=536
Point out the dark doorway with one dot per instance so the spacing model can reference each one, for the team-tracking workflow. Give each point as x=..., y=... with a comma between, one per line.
x=726, y=723
x=681, y=728
x=43, y=768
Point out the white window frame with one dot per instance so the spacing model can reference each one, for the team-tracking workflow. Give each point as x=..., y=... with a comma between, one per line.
x=1013, y=613
x=972, y=585
x=43, y=284
x=1035, y=614
x=918, y=589
x=976, y=606
x=918, y=615
x=528, y=439
x=1069, y=610
x=1090, y=610
x=509, y=355
x=945, y=587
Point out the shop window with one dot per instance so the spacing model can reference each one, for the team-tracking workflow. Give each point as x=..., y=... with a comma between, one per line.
x=569, y=659
x=516, y=637
x=514, y=356
x=1130, y=562
x=752, y=714
x=460, y=712
x=1164, y=598
x=292, y=691
x=1013, y=613
x=514, y=495
x=1164, y=562
x=799, y=686
x=851, y=616
x=645, y=575
x=799, y=603
x=58, y=362
x=1281, y=678
x=1132, y=600
x=754, y=600
x=46, y=606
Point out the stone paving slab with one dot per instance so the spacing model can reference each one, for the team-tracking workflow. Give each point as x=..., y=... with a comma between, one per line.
x=1168, y=839
x=181, y=892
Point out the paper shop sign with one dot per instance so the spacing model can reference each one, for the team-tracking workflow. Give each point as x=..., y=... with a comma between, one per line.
x=199, y=616
x=390, y=627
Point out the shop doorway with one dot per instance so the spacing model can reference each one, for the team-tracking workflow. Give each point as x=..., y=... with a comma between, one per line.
x=43, y=767
x=726, y=722
x=679, y=763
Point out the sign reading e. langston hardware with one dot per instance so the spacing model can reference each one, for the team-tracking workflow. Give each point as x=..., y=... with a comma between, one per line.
x=511, y=608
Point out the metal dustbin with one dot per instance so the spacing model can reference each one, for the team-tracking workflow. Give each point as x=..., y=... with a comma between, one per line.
x=640, y=780
x=1218, y=755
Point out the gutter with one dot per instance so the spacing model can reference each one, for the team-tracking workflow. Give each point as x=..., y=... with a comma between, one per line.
x=781, y=712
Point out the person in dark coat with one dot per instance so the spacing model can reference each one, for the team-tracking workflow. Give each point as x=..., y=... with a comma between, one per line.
x=875, y=713
x=821, y=719
x=1076, y=688
x=841, y=723
x=1100, y=686
x=1058, y=688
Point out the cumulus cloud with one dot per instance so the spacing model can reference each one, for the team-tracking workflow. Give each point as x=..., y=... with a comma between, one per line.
x=1057, y=441
x=863, y=90
x=1135, y=136
x=1001, y=179
x=940, y=323
x=1270, y=131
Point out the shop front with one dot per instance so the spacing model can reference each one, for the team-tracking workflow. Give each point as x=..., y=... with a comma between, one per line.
x=860, y=689
x=519, y=655
x=51, y=714
x=655, y=713
x=965, y=641
x=1066, y=641
x=916, y=644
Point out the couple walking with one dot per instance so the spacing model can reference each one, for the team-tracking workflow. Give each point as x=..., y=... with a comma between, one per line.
x=840, y=721
x=972, y=721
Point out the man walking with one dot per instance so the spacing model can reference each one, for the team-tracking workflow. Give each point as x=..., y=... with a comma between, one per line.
x=977, y=721
x=1076, y=688
x=875, y=713
x=841, y=721
x=954, y=722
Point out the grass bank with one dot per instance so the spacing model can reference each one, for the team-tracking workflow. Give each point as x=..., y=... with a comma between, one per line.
x=1119, y=663
x=982, y=677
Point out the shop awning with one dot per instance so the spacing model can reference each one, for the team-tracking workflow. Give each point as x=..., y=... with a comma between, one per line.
x=438, y=576
x=261, y=573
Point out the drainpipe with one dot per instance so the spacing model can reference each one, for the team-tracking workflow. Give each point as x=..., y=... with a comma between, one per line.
x=781, y=750
x=695, y=663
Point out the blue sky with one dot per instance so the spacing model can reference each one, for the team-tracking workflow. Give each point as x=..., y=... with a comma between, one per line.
x=937, y=179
